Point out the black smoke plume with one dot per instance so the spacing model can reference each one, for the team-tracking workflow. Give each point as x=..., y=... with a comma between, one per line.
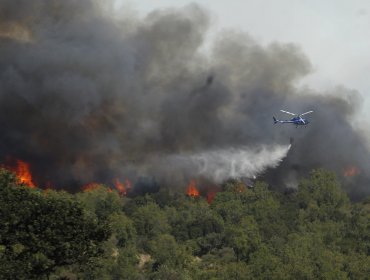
x=89, y=95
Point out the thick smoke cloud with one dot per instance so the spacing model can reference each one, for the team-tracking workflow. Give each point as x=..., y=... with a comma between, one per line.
x=86, y=95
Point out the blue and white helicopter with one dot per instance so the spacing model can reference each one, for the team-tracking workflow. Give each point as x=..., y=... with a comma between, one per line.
x=297, y=120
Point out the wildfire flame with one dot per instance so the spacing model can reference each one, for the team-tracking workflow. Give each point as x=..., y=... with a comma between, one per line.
x=192, y=189
x=122, y=188
x=90, y=187
x=351, y=171
x=23, y=173
x=94, y=186
x=210, y=196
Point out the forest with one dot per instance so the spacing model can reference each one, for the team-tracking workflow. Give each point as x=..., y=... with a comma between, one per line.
x=312, y=232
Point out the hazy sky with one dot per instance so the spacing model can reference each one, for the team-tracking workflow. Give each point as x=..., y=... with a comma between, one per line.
x=335, y=34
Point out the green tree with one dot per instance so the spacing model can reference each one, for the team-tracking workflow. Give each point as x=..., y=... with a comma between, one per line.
x=194, y=219
x=357, y=231
x=324, y=209
x=264, y=264
x=165, y=251
x=101, y=202
x=123, y=229
x=235, y=270
x=357, y=265
x=244, y=238
x=307, y=257
x=40, y=233
x=119, y=260
x=321, y=198
x=150, y=221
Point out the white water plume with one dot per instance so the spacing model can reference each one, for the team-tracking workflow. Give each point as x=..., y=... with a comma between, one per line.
x=221, y=164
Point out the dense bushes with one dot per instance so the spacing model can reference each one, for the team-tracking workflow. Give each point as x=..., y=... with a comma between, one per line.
x=246, y=233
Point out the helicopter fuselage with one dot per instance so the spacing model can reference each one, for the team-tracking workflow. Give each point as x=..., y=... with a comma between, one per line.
x=296, y=120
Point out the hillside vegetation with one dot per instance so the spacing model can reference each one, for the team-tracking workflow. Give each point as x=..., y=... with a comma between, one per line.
x=315, y=232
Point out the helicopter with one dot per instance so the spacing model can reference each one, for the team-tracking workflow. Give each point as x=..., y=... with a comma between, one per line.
x=296, y=120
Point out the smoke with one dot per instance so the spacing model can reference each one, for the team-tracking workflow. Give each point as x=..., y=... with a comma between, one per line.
x=89, y=95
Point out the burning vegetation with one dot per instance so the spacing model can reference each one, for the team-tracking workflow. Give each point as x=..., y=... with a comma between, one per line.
x=107, y=100
x=89, y=95
x=24, y=177
x=211, y=195
x=22, y=172
x=123, y=189
x=192, y=189
x=90, y=187
x=351, y=171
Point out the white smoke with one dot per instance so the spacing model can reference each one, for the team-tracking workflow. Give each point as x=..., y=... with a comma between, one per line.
x=221, y=164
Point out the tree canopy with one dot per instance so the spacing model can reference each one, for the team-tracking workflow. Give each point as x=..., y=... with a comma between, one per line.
x=41, y=231
x=314, y=232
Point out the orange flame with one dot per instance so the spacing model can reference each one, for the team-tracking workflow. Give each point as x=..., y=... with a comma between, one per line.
x=192, y=189
x=351, y=171
x=90, y=187
x=210, y=196
x=120, y=187
x=23, y=173
x=95, y=186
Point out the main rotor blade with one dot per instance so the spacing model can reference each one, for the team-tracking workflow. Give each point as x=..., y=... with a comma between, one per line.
x=288, y=112
x=309, y=112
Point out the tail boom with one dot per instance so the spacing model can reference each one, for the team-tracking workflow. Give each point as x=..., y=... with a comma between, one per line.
x=275, y=120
